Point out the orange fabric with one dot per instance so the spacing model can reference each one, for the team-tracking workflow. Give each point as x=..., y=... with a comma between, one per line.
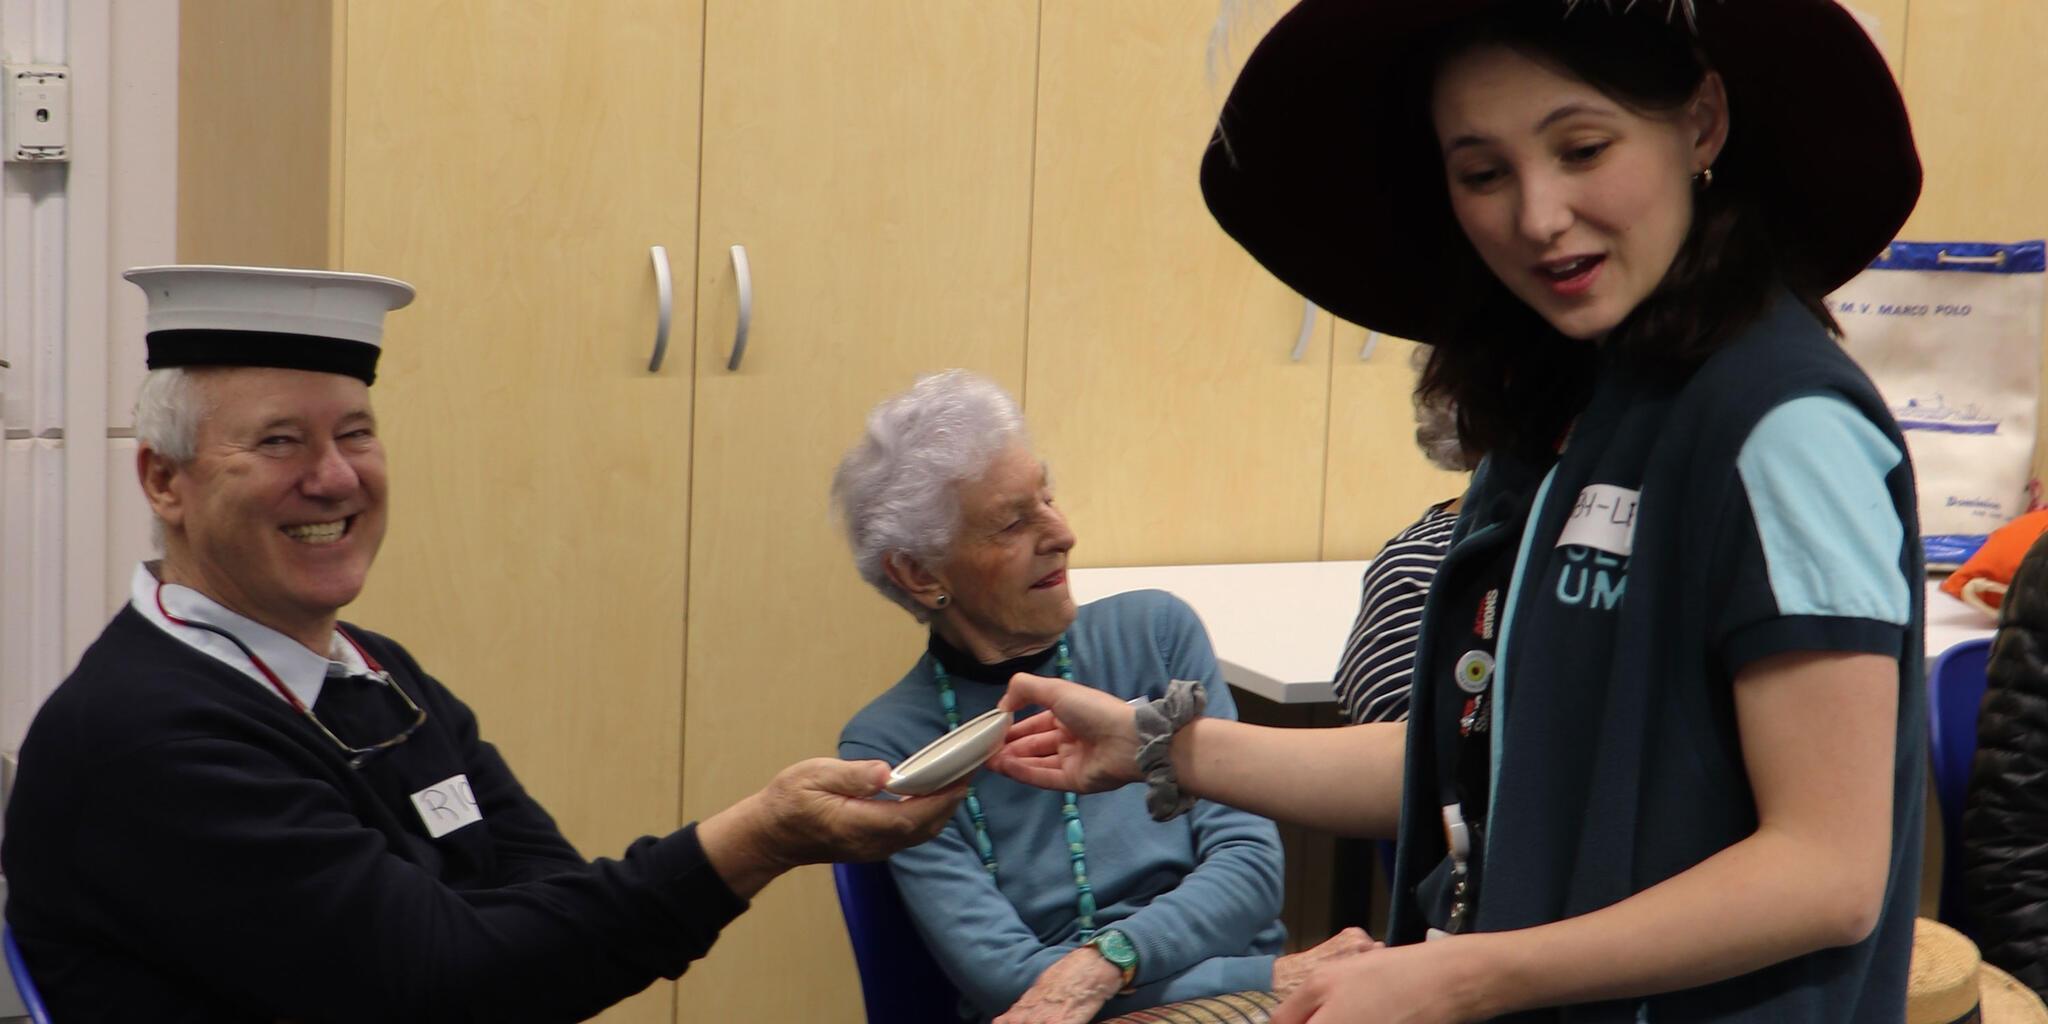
x=2000, y=556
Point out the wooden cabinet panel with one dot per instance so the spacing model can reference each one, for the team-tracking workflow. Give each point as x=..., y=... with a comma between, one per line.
x=875, y=161
x=515, y=163
x=1160, y=383
x=1974, y=87
x=256, y=151
x=1378, y=481
x=1886, y=22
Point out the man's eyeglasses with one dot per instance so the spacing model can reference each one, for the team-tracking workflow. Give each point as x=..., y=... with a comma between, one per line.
x=357, y=756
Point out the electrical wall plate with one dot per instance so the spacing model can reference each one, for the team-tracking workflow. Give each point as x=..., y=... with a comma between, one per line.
x=38, y=113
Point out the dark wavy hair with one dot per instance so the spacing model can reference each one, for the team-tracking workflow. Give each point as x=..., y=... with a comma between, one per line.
x=1516, y=382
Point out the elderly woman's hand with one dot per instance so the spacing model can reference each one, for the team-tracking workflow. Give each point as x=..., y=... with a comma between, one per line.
x=1068, y=992
x=1086, y=741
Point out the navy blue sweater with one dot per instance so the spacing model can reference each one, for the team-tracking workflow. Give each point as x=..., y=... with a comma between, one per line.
x=183, y=846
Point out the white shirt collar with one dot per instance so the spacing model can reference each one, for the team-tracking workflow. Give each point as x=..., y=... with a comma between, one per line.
x=301, y=671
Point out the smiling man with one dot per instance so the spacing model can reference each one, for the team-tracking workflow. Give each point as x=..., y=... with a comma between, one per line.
x=239, y=807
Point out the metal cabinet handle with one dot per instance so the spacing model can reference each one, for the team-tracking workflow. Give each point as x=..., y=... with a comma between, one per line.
x=665, y=290
x=1308, y=326
x=1996, y=259
x=743, y=279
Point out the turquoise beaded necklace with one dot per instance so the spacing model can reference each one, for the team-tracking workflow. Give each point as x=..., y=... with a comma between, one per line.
x=1077, y=847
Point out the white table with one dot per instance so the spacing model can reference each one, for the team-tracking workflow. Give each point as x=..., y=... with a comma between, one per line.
x=1950, y=622
x=1279, y=627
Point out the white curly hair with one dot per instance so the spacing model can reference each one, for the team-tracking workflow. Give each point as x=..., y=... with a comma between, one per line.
x=897, y=490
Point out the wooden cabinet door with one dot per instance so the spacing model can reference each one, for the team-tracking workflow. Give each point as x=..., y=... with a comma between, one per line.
x=1974, y=86
x=875, y=160
x=515, y=163
x=1885, y=20
x=1379, y=482
x=1162, y=383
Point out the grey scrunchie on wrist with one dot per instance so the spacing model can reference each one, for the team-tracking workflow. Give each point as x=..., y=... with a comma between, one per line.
x=1157, y=721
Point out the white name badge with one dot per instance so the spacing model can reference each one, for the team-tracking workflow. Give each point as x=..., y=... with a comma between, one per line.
x=1604, y=519
x=447, y=805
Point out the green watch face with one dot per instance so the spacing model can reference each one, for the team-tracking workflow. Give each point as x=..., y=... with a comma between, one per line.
x=1115, y=947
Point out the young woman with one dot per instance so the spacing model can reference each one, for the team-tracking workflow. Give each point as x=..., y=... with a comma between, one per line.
x=1665, y=751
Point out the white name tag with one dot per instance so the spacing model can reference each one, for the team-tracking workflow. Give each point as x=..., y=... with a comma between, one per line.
x=447, y=805
x=1604, y=519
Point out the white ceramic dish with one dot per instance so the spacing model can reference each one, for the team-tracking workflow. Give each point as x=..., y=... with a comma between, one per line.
x=951, y=757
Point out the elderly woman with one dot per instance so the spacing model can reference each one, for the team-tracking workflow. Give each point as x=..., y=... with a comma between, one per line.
x=1042, y=906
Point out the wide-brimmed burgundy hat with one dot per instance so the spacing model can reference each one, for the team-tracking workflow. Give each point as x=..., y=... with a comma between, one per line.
x=1325, y=167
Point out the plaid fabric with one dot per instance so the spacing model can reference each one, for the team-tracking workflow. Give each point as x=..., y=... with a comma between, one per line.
x=1234, y=1008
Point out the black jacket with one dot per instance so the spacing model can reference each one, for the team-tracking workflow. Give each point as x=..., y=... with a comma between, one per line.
x=2005, y=821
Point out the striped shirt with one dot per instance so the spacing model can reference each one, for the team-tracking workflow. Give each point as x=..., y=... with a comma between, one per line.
x=1379, y=659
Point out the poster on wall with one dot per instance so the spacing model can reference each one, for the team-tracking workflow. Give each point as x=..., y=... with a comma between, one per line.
x=1952, y=333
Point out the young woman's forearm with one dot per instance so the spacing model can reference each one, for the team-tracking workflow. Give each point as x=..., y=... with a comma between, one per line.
x=1345, y=781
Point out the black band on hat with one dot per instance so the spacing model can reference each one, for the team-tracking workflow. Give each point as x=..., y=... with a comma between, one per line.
x=207, y=347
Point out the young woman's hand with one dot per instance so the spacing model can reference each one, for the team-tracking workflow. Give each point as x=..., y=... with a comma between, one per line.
x=1429, y=983
x=1086, y=741
x=1292, y=971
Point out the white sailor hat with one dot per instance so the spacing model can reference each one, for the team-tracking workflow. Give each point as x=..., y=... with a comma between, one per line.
x=265, y=316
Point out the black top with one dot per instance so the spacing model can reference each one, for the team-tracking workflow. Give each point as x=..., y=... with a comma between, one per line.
x=181, y=846
x=2003, y=847
x=962, y=665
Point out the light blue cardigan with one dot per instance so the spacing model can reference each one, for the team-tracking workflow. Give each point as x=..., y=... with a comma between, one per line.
x=1198, y=896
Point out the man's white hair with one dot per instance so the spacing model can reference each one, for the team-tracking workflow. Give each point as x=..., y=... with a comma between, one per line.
x=897, y=490
x=167, y=414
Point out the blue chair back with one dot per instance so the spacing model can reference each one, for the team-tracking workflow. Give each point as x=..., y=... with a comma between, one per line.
x=1955, y=689
x=899, y=980
x=24, y=986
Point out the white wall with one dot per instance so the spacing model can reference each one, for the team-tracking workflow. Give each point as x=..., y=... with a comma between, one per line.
x=143, y=229
x=33, y=210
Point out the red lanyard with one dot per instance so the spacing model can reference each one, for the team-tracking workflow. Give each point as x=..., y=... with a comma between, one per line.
x=275, y=683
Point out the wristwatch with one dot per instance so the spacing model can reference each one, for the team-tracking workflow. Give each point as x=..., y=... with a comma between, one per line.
x=1116, y=948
